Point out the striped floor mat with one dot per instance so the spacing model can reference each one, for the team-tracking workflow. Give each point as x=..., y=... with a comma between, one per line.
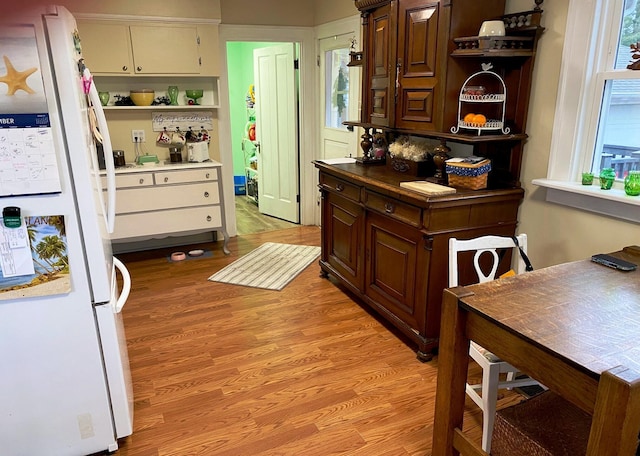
x=271, y=266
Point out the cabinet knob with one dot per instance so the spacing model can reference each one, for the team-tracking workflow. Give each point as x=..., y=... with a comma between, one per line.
x=141, y=181
x=206, y=194
x=339, y=187
x=125, y=68
x=206, y=176
x=208, y=218
x=139, y=68
x=166, y=179
x=389, y=208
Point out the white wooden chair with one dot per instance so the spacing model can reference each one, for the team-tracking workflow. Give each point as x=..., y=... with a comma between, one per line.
x=485, y=395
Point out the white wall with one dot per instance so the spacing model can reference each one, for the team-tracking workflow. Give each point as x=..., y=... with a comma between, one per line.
x=557, y=233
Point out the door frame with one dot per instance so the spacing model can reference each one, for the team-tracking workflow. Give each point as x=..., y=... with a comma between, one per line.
x=304, y=36
x=340, y=27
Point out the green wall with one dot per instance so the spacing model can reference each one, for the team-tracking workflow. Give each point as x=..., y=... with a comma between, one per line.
x=240, y=76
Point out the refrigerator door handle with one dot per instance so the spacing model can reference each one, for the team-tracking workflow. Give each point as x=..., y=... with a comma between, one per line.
x=126, y=287
x=108, y=154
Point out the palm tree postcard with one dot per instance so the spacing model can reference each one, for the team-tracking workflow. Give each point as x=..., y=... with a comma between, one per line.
x=48, y=247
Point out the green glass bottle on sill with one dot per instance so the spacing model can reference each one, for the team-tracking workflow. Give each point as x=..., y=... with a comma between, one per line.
x=632, y=183
x=607, y=177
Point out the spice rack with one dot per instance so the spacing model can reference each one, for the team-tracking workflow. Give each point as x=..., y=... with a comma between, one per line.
x=496, y=97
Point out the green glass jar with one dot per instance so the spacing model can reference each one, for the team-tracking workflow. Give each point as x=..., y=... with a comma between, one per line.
x=607, y=177
x=632, y=183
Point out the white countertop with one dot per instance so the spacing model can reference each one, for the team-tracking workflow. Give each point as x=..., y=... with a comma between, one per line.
x=163, y=166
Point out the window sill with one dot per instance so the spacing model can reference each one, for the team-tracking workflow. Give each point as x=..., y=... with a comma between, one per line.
x=613, y=203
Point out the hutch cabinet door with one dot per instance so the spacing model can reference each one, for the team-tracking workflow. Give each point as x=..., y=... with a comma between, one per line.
x=392, y=269
x=381, y=67
x=417, y=63
x=342, y=234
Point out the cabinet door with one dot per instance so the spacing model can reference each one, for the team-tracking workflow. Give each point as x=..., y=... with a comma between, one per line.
x=396, y=276
x=162, y=49
x=105, y=47
x=417, y=62
x=381, y=67
x=209, y=51
x=342, y=238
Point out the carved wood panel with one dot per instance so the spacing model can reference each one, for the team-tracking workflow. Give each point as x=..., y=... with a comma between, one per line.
x=380, y=63
x=417, y=76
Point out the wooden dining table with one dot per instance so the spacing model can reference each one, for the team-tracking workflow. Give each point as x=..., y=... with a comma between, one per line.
x=575, y=327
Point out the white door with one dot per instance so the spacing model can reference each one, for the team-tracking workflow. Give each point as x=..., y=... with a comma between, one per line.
x=276, y=131
x=339, y=85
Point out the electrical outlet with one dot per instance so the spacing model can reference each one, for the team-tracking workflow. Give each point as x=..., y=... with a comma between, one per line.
x=137, y=136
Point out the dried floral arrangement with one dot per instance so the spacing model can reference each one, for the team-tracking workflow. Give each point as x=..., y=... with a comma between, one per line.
x=410, y=148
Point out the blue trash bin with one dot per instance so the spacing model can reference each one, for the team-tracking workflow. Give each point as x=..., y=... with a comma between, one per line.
x=240, y=184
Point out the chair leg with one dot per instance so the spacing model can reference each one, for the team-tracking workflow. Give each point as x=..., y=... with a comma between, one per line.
x=490, y=381
x=511, y=376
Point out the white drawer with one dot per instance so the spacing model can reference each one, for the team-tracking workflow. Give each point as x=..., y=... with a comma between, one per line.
x=130, y=180
x=164, y=223
x=165, y=197
x=186, y=176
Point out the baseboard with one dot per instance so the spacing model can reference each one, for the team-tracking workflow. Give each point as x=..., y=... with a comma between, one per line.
x=171, y=241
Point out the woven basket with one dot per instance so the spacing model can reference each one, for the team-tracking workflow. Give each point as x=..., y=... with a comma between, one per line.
x=545, y=425
x=468, y=175
x=473, y=183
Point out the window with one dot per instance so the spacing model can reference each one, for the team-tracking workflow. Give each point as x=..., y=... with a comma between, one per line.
x=597, y=121
x=337, y=87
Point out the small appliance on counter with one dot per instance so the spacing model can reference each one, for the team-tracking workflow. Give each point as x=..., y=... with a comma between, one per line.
x=198, y=151
x=118, y=158
x=175, y=154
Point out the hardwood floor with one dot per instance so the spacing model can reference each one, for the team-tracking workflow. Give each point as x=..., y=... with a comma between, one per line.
x=249, y=219
x=228, y=370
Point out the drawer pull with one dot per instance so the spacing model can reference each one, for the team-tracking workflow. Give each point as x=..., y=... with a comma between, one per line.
x=389, y=208
x=206, y=175
x=141, y=181
x=208, y=218
x=166, y=179
x=339, y=187
x=206, y=194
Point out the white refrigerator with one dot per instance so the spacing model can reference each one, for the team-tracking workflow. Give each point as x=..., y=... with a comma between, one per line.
x=64, y=371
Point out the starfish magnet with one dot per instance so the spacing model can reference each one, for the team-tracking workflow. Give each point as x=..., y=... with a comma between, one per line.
x=16, y=80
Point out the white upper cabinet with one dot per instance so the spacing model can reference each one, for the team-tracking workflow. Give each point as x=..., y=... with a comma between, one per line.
x=106, y=47
x=147, y=49
x=170, y=49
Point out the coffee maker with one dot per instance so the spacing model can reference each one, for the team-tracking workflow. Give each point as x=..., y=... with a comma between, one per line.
x=175, y=154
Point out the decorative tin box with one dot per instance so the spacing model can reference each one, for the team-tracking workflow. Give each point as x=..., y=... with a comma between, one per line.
x=420, y=168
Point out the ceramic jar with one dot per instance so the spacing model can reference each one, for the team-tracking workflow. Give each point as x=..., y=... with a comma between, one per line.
x=632, y=183
x=607, y=177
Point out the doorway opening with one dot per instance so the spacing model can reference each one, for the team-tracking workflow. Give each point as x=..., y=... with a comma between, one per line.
x=263, y=118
